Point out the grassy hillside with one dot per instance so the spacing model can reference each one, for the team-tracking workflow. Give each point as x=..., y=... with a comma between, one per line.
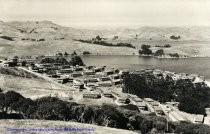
x=45, y=37
x=4, y=124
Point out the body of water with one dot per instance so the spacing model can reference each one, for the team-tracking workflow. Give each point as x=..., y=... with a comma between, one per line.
x=199, y=66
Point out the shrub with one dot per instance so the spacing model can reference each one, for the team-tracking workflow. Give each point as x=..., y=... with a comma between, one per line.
x=86, y=53
x=159, y=52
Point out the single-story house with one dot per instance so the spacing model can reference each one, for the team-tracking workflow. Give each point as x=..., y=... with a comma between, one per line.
x=92, y=95
x=198, y=118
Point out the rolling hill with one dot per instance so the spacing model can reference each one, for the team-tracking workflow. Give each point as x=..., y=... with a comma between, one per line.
x=47, y=38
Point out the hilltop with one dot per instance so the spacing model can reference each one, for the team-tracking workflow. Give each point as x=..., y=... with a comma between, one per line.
x=45, y=38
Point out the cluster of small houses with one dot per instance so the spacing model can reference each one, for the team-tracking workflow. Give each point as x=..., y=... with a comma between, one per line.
x=94, y=77
x=81, y=77
x=159, y=74
x=13, y=62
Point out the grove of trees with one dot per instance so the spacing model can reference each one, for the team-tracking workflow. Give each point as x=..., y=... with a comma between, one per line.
x=145, y=49
x=98, y=41
x=75, y=60
x=192, y=98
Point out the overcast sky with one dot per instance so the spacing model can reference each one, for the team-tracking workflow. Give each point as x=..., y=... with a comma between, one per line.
x=109, y=12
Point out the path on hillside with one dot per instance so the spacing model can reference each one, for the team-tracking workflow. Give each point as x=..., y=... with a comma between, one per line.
x=62, y=86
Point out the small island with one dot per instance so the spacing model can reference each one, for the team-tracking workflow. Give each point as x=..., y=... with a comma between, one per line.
x=146, y=51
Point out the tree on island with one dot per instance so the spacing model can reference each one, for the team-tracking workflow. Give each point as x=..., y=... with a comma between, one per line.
x=159, y=52
x=145, y=50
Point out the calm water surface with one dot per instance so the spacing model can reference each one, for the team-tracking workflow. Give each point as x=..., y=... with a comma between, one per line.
x=190, y=65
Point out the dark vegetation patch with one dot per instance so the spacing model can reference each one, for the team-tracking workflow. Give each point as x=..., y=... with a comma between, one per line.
x=173, y=37
x=164, y=46
x=100, y=41
x=75, y=60
x=86, y=53
x=51, y=108
x=7, y=38
x=192, y=98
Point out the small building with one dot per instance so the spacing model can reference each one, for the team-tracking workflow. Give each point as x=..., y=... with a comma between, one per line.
x=91, y=86
x=78, y=84
x=92, y=80
x=62, y=80
x=79, y=68
x=137, y=99
x=116, y=82
x=154, y=103
x=158, y=110
x=157, y=73
x=114, y=77
x=149, y=100
x=108, y=94
x=109, y=72
x=174, y=104
x=92, y=95
x=104, y=79
x=197, y=81
x=10, y=63
x=98, y=69
x=105, y=84
x=76, y=74
x=148, y=71
x=207, y=111
x=88, y=73
x=124, y=100
x=198, y=118
x=186, y=78
x=64, y=71
x=141, y=105
x=207, y=120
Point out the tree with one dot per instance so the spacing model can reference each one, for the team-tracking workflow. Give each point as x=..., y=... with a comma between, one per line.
x=98, y=38
x=86, y=53
x=61, y=60
x=47, y=60
x=74, y=53
x=2, y=102
x=15, y=57
x=66, y=54
x=76, y=60
x=11, y=97
x=143, y=46
x=159, y=52
x=174, y=37
x=145, y=50
x=59, y=54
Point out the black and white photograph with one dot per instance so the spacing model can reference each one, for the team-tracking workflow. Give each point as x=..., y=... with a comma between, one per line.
x=104, y=66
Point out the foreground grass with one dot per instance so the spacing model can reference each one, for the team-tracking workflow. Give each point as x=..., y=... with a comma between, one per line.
x=4, y=124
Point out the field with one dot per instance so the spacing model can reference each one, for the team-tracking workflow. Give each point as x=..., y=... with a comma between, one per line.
x=4, y=124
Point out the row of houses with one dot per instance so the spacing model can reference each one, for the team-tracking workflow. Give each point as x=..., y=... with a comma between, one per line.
x=13, y=62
